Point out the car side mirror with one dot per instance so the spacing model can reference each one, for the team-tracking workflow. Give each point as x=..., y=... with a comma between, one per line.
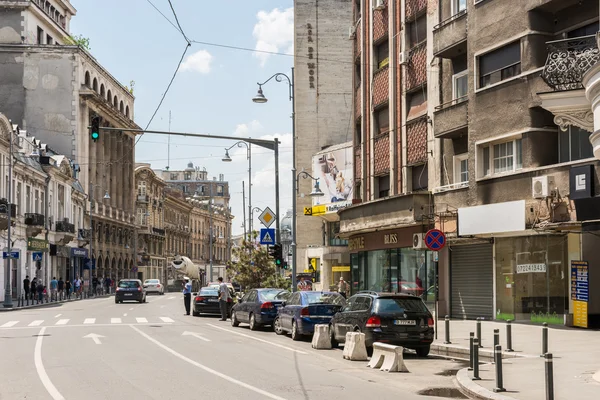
x=194, y=294
x=284, y=303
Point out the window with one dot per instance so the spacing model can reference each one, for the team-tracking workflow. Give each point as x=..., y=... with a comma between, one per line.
x=587, y=30
x=500, y=64
x=460, y=85
x=502, y=157
x=357, y=135
x=383, y=183
x=382, y=120
x=142, y=188
x=333, y=230
x=174, y=176
x=187, y=176
x=40, y=35
x=19, y=198
x=220, y=190
x=458, y=6
x=418, y=31
x=417, y=103
x=28, y=199
x=461, y=168
x=420, y=178
x=574, y=144
x=383, y=54
x=36, y=204
x=358, y=75
x=49, y=39
x=142, y=216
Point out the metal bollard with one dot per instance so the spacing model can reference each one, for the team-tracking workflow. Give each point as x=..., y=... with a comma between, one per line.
x=476, y=360
x=498, y=357
x=18, y=301
x=496, y=337
x=471, y=338
x=479, y=339
x=509, y=336
x=544, y=339
x=549, y=376
x=447, y=328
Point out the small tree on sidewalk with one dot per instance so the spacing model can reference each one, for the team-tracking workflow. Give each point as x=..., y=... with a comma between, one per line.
x=254, y=268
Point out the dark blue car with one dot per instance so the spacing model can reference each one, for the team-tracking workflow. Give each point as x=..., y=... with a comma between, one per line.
x=304, y=310
x=258, y=307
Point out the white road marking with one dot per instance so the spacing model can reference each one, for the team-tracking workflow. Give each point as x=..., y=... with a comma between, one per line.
x=166, y=319
x=115, y=320
x=257, y=339
x=171, y=298
x=36, y=322
x=95, y=337
x=41, y=371
x=9, y=324
x=207, y=369
x=196, y=335
x=125, y=314
x=89, y=321
x=141, y=320
x=62, y=322
x=162, y=306
x=16, y=328
x=131, y=309
x=57, y=315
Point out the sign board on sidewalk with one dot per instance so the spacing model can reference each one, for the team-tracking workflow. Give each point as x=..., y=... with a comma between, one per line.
x=37, y=255
x=267, y=217
x=13, y=254
x=267, y=236
x=580, y=292
x=435, y=240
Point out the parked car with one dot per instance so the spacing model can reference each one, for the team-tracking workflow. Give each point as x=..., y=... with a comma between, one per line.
x=304, y=310
x=258, y=307
x=154, y=286
x=207, y=302
x=216, y=285
x=395, y=318
x=130, y=290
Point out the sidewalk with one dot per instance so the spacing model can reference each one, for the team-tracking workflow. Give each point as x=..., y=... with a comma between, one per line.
x=33, y=304
x=576, y=355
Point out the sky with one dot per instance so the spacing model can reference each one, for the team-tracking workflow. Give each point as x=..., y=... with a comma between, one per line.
x=212, y=92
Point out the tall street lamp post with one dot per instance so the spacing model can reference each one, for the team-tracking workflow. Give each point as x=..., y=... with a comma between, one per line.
x=8, y=264
x=316, y=192
x=249, y=158
x=92, y=260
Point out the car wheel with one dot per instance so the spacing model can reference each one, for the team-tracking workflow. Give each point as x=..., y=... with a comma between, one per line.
x=277, y=326
x=234, y=320
x=144, y=299
x=195, y=313
x=116, y=301
x=295, y=333
x=252, y=323
x=423, y=351
x=141, y=300
x=334, y=343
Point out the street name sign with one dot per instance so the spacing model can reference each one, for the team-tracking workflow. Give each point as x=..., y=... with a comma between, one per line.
x=12, y=254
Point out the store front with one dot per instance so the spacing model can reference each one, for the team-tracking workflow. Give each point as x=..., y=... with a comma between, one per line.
x=60, y=261
x=387, y=262
x=78, y=257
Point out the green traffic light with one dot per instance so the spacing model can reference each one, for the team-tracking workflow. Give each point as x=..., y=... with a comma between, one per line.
x=95, y=135
x=278, y=262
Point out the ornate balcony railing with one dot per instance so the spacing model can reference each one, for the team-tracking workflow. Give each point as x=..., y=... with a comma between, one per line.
x=65, y=226
x=34, y=219
x=568, y=60
x=157, y=231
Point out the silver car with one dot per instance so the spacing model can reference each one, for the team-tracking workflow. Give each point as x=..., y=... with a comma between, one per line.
x=154, y=286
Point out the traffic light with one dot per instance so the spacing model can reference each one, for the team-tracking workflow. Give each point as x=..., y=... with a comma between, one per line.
x=285, y=265
x=95, y=130
x=276, y=252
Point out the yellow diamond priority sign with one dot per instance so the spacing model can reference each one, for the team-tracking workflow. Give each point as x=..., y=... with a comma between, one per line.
x=267, y=217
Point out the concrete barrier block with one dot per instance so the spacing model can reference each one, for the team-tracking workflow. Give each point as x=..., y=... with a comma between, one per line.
x=388, y=358
x=354, y=347
x=321, y=338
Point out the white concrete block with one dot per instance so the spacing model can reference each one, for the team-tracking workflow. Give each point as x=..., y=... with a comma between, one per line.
x=321, y=338
x=355, y=348
x=388, y=358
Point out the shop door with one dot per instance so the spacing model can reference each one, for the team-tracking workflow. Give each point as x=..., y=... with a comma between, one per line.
x=471, y=281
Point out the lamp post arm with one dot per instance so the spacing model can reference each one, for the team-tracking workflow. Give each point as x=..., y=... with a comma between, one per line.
x=279, y=77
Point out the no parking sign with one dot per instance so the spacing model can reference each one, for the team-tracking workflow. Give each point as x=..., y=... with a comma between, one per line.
x=435, y=240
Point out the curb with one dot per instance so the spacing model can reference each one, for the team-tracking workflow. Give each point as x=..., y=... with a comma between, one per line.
x=463, y=352
x=54, y=303
x=475, y=391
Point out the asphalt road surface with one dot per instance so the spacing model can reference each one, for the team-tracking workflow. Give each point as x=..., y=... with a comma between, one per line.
x=96, y=349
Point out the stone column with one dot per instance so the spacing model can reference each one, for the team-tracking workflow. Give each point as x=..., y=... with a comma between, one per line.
x=591, y=82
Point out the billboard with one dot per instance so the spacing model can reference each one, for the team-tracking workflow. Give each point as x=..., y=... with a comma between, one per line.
x=333, y=168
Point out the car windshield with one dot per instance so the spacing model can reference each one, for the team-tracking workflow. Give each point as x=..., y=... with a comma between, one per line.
x=151, y=281
x=283, y=296
x=209, y=291
x=324, y=298
x=267, y=295
x=129, y=284
x=399, y=305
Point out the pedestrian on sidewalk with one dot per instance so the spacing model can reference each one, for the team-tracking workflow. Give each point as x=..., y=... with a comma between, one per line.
x=33, y=288
x=187, y=295
x=223, y=298
x=68, y=289
x=26, y=286
x=77, y=286
x=342, y=287
x=53, y=289
x=61, y=287
x=94, y=285
x=40, y=290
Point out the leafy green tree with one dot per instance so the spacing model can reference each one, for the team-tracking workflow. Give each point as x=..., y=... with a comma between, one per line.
x=78, y=40
x=254, y=268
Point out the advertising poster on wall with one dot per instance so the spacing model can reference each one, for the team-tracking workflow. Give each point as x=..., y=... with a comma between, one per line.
x=333, y=168
x=580, y=292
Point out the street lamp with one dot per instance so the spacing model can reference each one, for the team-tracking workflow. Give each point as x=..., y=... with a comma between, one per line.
x=227, y=158
x=8, y=264
x=91, y=198
x=261, y=99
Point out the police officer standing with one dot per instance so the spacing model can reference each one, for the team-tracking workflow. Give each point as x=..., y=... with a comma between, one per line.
x=187, y=295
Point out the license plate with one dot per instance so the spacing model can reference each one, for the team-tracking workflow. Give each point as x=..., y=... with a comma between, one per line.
x=213, y=300
x=404, y=322
x=128, y=294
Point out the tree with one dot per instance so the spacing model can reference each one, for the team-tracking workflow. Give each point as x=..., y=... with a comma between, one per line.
x=254, y=268
x=78, y=40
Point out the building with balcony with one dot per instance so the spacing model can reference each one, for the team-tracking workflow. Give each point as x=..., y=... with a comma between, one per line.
x=53, y=89
x=325, y=117
x=47, y=210
x=150, y=223
x=512, y=159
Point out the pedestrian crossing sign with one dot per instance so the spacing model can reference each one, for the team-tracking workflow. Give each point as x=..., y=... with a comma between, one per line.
x=267, y=236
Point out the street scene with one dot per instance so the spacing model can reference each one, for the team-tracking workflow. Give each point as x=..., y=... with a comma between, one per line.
x=300, y=199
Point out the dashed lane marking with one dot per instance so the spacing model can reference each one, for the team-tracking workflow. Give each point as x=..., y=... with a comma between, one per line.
x=115, y=320
x=166, y=319
x=62, y=322
x=9, y=324
x=36, y=322
x=89, y=321
x=141, y=320
x=258, y=339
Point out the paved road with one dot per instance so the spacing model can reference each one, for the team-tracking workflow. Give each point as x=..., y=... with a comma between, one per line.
x=96, y=349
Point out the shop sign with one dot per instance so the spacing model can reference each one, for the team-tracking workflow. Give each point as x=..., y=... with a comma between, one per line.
x=391, y=238
x=529, y=268
x=581, y=182
x=357, y=243
x=340, y=268
x=580, y=292
x=311, y=55
x=77, y=252
x=37, y=244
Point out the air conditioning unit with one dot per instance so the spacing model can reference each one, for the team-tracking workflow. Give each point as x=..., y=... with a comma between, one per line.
x=418, y=242
x=378, y=4
x=542, y=186
x=403, y=58
x=351, y=33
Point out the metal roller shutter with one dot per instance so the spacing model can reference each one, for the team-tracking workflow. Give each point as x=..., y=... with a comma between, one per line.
x=471, y=271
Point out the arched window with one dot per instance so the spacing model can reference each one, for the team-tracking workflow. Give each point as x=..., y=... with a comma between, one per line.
x=121, y=107
x=116, y=102
x=102, y=90
x=127, y=111
x=95, y=85
x=109, y=96
x=87, y=78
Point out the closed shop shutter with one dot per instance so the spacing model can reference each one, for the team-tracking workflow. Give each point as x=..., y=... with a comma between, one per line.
x=471, y=271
